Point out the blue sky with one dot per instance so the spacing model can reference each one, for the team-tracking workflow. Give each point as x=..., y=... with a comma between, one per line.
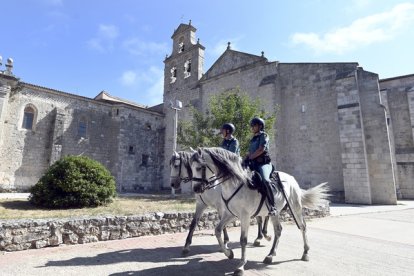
x=86, y=46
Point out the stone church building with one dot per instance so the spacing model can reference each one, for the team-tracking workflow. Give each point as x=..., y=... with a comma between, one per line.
x=336, y=123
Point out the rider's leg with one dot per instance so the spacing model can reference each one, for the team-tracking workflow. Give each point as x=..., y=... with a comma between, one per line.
x=265, y=171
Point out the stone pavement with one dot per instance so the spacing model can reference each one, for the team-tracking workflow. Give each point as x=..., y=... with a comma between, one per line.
x=355, y=240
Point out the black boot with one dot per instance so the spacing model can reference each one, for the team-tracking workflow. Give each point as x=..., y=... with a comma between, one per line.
x=270, y=198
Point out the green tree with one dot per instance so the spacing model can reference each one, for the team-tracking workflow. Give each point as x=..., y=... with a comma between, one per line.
x=233, y=106
x=74, y=181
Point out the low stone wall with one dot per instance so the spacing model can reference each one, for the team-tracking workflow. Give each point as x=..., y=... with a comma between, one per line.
x=33, y=234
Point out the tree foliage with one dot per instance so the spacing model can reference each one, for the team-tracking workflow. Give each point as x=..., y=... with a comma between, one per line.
x=234, y=107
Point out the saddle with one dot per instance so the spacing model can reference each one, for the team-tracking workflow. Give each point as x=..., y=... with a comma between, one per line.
x=257, y=182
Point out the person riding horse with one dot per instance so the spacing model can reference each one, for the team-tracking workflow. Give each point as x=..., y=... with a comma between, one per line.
x=230, y=142
x=258, y=159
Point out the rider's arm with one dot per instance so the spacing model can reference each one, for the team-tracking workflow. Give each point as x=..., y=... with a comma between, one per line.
x=257, y=153
x=233, y=146
x=263, y=142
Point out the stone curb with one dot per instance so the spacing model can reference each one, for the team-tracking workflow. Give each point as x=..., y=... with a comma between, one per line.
x=25, y=234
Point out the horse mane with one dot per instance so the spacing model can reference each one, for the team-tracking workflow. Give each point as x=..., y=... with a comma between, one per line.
x=227, y=163
x=185, y=158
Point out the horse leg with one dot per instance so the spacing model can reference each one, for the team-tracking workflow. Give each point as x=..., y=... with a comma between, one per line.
x=225, y=219
x=259, y=231
x=278, y=231
x=302, y=225
x=266, y=222
x=200, y=207
x=297, y=208
x=226, y=237
x=305, y=256
x=245, y=223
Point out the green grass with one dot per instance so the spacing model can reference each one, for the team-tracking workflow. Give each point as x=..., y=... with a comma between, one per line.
x=21, y=208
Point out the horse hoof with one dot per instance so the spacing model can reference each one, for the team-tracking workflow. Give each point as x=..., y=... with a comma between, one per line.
x=256, y=243
x=231, y=255
x=268, y=260
x=268, y=238
x=185, y=251
x=305, y=258
x=238, y=272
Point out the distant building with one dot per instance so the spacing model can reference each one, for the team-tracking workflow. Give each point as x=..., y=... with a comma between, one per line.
x=336, y=123
x=39, y=125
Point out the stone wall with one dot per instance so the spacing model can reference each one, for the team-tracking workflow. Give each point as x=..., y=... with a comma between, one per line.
x=400, y=105
x=18, y=235
x=304, y=96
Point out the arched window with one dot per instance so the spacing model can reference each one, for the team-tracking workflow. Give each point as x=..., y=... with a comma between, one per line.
x=173, y=74
x=181, y=45
x=187, y=68
x=29, y=117
x=82, y=127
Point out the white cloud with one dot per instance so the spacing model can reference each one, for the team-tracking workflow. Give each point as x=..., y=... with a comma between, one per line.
x=105, y=38
x=362, y=32
x=128, y=78
x=138, y=47
x=359, y=5
x=149, y=84
x=108, y=31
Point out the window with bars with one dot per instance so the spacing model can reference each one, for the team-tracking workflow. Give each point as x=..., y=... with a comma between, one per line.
x=28, y=117
x=82, y=128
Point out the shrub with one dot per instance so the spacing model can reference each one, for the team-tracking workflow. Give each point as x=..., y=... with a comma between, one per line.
x=74, y=181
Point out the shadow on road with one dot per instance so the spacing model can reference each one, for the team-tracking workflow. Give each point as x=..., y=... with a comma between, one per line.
x=171, y=263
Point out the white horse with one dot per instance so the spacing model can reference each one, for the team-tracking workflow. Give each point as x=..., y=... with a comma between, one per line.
x=181, y=172
x=242, y=202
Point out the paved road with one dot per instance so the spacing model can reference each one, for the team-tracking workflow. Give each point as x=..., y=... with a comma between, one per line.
x=357, y=240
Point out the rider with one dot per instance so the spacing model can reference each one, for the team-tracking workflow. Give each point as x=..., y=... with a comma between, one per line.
x=259, y=160
x=230, y=142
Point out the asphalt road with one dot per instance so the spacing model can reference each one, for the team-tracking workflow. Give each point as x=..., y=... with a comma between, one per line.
x=365, y=241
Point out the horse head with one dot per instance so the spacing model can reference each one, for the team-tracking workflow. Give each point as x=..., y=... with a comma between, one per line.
x=213, y=166
x=179, y=169
x=203, y=175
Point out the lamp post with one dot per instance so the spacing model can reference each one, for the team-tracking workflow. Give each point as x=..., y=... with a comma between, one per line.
x=178, y=105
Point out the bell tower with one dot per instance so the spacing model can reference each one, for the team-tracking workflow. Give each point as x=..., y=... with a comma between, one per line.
x=183, y=69
x=184, y=66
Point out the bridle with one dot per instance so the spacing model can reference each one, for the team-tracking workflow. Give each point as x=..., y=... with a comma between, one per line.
x=184, y=179
x=211, y=182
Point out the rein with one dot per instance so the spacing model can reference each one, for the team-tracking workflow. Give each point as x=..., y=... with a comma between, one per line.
x=227, y=201
x=209, y=183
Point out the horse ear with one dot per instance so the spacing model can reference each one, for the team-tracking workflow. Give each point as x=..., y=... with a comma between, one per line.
x=199, y=151
x=192, y=150
x=175, y=153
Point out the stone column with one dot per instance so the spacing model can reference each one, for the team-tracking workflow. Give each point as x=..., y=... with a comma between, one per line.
x=4, y=98
x=377, y=142
x=351, y=134
x=410, y=97
x=56, y=148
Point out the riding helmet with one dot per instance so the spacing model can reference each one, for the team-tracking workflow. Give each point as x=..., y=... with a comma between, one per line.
x=257, y=121
x=229, y=126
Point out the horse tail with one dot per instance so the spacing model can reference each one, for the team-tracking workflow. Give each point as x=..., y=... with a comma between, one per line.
x=314, y=197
